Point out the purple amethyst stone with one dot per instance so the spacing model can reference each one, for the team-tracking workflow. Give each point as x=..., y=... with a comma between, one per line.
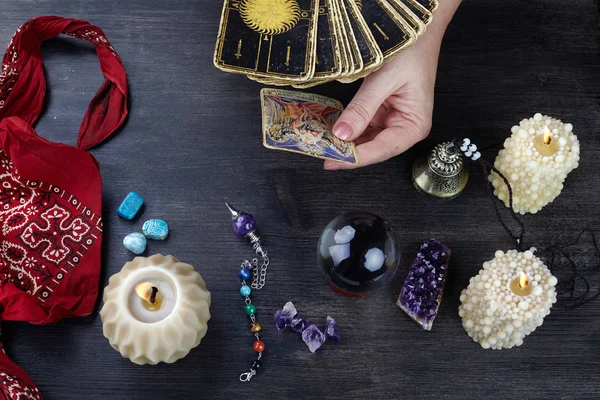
x=313, y=337
x=243, y=224
x=331, y=330
x=283, y=318
x=299, y=324
x=423, y=288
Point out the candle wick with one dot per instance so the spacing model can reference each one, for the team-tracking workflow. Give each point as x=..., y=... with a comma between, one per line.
x=152, y=298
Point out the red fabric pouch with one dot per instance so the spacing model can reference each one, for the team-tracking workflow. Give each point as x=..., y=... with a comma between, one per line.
x=50, y=193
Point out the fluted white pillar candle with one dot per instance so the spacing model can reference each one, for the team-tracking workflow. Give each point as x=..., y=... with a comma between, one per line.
x=536, y=160
x=155, y=310
x=507, y=300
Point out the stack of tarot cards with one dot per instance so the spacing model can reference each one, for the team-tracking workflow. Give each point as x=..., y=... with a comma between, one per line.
x=304, y=43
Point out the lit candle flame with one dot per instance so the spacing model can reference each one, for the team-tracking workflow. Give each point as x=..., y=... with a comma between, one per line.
x=547, y=135
x=523, y=281
x=147, y=292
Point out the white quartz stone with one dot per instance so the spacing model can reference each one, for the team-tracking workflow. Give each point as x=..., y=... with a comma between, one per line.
x=374, y=259
x=344, y=235
x=339, y=253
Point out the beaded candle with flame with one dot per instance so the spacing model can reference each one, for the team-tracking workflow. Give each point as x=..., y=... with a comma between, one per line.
x=155, y=310
x=507, y=300
x=536, y=160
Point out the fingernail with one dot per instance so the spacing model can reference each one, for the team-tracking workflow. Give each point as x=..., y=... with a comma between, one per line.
x=343, y=130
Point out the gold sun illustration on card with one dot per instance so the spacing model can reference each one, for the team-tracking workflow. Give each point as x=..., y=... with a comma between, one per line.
x=270, y=17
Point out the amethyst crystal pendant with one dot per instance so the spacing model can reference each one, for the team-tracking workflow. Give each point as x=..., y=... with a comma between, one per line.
x=423, y=288
x=243, y=224
x=358, y=252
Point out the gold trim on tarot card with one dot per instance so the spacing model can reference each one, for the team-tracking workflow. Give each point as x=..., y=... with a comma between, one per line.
x=342, y=39
x=427, y=16
x=269, y=81
x=335, y=45
x=376, y=62
x=411, y=19
x=309, y=64
x=355, y=53
x=434, y=5
x=346, y=55
x=347, y=65
x=318, y=77
x=301, y=96
x=411, y=35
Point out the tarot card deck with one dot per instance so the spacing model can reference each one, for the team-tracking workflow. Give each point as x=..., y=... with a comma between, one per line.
x=305, y=43
x=302, y=123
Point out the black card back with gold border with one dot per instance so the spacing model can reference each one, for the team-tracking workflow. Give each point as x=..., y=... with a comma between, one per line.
x=268, y=38
x=387, y=26
x=416, y=8
x=371, y=55
x=328, y=60
x=413, y=21
x=430, y=5
x=354, y=52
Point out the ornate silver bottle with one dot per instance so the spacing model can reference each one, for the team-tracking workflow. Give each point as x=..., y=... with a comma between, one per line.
x=442, y=173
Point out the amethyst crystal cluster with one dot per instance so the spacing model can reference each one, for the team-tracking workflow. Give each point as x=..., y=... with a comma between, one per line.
x=423, y=288
x=289, y=319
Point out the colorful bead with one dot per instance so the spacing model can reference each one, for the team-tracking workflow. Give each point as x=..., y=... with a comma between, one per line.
x=244, y=274
x=259, y=346
x=255, y=327
x=256, y=364
x=243, y=224
x=250, y=309
x=245, y=290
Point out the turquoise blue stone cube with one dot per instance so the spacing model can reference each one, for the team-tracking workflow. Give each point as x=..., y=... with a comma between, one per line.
x=156, y=229
x=135, y=242
x=130, y=206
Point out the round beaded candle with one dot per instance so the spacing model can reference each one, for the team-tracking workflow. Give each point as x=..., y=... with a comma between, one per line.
x=536, y=160
x=155, y=309
x=507, y=300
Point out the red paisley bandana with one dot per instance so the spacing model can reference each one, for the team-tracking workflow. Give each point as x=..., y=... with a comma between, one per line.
x=50, y=193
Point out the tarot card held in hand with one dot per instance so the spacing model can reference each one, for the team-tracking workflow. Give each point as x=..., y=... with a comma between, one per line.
x=302, y=123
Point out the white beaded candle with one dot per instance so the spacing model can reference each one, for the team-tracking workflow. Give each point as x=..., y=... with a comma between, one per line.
x=536, y=160
x=507, y=300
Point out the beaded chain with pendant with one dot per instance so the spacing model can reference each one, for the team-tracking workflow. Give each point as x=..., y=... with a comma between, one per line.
x=245, y=225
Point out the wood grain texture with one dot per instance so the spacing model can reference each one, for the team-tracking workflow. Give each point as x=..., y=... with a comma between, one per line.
x=193, y=140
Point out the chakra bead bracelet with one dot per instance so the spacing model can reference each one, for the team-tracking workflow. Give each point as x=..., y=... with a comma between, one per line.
x=245, y=225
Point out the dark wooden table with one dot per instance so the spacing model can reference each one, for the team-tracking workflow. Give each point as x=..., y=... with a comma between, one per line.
x=193, y=141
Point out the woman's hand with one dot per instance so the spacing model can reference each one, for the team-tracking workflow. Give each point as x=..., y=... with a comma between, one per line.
x=392, y=110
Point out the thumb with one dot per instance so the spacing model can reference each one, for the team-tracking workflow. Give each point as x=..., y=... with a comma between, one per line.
x=360, y=112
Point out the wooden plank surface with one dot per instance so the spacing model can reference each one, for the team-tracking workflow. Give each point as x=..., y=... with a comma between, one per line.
x=192, y=141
